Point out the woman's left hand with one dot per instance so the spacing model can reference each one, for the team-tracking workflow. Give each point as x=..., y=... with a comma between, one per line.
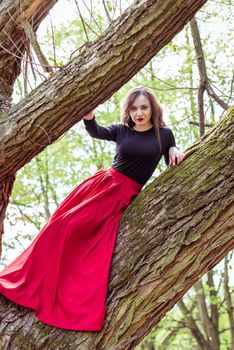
x=175, y=156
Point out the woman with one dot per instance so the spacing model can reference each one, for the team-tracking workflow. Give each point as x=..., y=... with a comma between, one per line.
x=63, y=274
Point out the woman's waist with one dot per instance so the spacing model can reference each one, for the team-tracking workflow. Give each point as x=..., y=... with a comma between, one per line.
x=136, y=186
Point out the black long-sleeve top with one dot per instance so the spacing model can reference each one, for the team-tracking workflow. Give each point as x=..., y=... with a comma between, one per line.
x=137, y=152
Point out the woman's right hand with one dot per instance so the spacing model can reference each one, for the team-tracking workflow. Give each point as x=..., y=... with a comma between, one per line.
x=89, y=116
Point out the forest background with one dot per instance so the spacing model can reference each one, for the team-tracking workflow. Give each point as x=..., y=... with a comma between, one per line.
x=174, y=77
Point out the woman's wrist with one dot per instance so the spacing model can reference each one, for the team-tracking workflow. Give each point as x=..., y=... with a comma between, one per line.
x=89, y=121
x=172, y=147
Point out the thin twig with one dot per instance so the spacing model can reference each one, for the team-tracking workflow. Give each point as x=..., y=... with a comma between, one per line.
x=120, y=7
x=24, y=72
x=53, y=43
x=221, y=3
x=193, y=122
x=82, y=20
x=36, y=47
x=106, y=11
x=92, y=16
x=28, y=80
x=219, y=89
x=37, y=64
x=32, y=68
x=92, y=30
x=166, y=83
x=114, y=9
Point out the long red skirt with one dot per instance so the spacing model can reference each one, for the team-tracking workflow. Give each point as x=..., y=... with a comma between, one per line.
x=63, y=274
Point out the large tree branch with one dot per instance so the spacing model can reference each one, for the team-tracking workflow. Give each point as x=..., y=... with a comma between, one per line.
x=178, y=228
x=90, y=78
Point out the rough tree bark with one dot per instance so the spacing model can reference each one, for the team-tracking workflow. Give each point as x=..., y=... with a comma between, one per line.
x=160, y=251
x=161, y=254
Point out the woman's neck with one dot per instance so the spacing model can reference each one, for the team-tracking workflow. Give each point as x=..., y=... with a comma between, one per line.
x=142, y=128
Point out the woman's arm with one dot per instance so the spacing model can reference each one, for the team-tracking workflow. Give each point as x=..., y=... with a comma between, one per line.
x=97, y=131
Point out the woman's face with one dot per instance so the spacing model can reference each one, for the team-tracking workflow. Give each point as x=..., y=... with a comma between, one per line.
x=140, y=112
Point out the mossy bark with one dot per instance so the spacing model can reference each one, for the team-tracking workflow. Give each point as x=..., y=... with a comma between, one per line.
x=180, y=226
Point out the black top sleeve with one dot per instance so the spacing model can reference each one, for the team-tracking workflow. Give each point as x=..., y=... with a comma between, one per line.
x=97, y=131
x=171, y=143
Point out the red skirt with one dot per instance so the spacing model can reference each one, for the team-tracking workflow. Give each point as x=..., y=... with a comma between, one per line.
x=63, y=273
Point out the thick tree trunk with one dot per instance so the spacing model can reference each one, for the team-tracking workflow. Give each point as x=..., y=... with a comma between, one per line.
x=177, y=229
x=5, y=192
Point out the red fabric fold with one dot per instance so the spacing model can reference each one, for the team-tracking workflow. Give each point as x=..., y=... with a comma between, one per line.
x=63, y=273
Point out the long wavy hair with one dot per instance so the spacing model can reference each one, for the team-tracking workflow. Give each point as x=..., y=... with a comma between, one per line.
x=156, y=115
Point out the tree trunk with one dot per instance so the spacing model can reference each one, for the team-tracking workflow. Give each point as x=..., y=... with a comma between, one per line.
x=204, y=80
x=177, y=229
x=203, y=312
x=194, y=329
x=214, y=312
x=5, y=192
x=229, y=303
x=13, y=42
